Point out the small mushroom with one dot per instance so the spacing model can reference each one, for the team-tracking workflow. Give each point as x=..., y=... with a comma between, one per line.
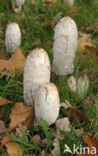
x=47, y=103
x=18, y=4
x=72, y=83
x=69, y=2
x=12, y=37
x=81, y=86
x=64, y=46
x=36, y=73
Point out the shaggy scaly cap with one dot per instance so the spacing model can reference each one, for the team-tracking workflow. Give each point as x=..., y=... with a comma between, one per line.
x=12, y=37
x=47, y=103
x=36, y=73
x=64, y=46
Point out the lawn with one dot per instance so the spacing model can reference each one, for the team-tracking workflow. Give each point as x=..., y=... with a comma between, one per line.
x=37, y=22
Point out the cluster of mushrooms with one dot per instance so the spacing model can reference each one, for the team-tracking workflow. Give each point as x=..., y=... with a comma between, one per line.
x=39, y=92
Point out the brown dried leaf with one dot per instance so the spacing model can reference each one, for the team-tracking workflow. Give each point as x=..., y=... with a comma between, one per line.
x=94, y=50
x=16, y=62
x=5, y=140
x=91, y=142
x=14, y=148
x=3, y=129
x=4, y=101
x=21, y=114
x=81, y=45
x=85, y=37
x=77, y=116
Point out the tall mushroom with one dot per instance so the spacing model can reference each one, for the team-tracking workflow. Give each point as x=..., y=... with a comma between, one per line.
x=64, y=46
x=47, y=103
x=12, y=37
x=36, y=73
x=18, y=3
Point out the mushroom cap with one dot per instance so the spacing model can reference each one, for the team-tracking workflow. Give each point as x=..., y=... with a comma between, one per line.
x=47, y=103
x=36, y=73
x=12, y=37
x=19, y=2
x=64, y=46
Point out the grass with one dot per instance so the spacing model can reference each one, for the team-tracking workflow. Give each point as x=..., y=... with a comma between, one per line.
x=37, y=26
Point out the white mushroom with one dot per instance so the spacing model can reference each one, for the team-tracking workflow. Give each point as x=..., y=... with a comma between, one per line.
x=69, y=2
x=36, y=73
x=47, y=103
x=72, y=83
x=64, y=46
x=83, y=85
x=18, y=3
x=12, y=37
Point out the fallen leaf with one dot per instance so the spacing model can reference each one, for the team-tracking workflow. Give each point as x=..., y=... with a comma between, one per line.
x=77, y=116
x=21, y=114
x=91, y=142
x=4, y=101
x=94, y=50
x=5, y=139
x=3, y=129
x=85, y=37
x=14, y=149
x=16, y=62
x=81, y=46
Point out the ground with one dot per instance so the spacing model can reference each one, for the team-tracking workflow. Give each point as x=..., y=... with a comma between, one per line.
x=37, y=23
